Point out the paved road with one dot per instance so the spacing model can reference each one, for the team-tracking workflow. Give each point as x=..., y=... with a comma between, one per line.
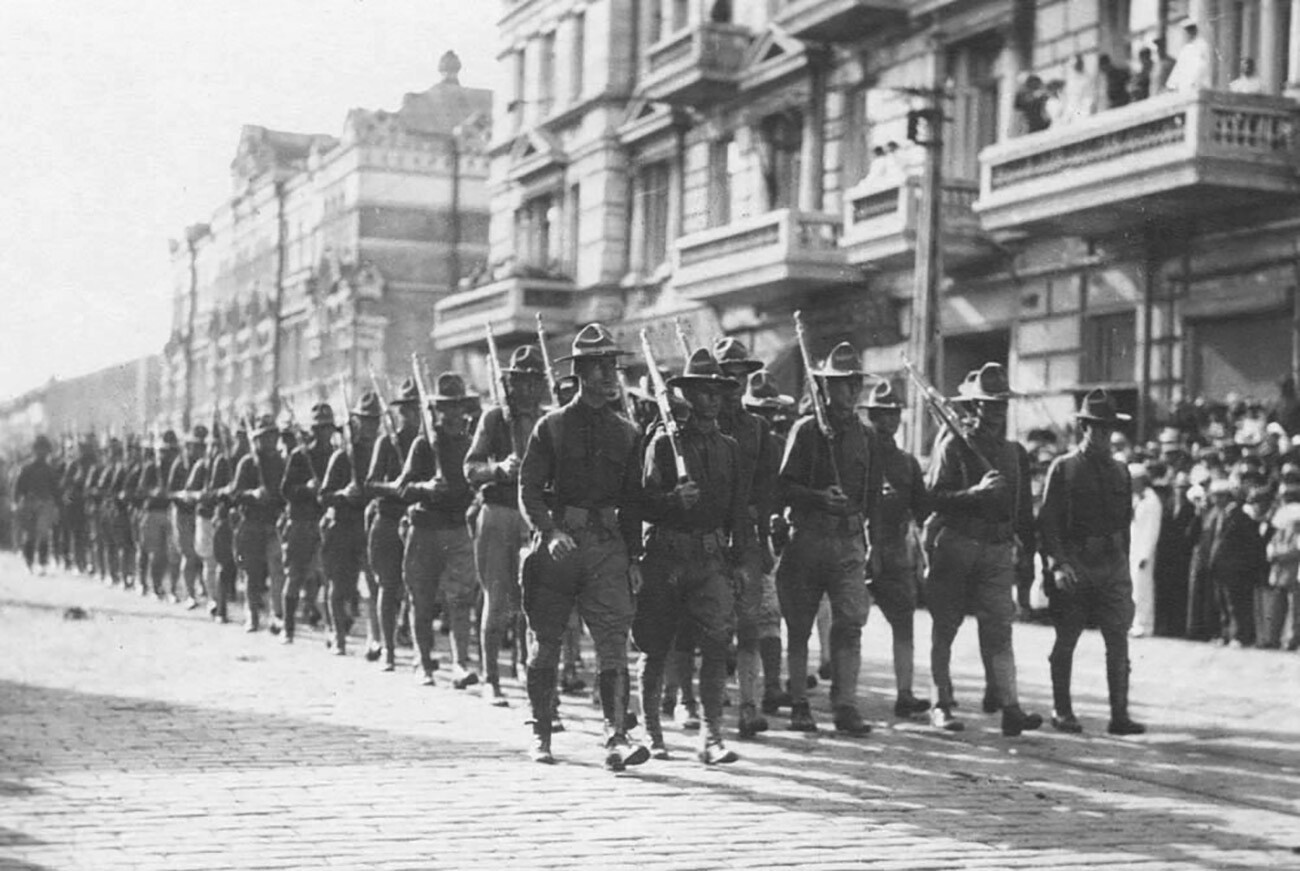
x=145, y=737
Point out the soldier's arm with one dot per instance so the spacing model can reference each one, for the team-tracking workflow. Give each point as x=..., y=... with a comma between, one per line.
x=1024, y=520
x=416, y=480
x=480, y=468
x=658, y=479
x=945, y=482
x=1052, y=514
x=737, y=522
x=377, y=482
x=338, y=474
x=632, y=505
x=795, y=478
x=871, y=501
x=535, y=474
x=918, y=500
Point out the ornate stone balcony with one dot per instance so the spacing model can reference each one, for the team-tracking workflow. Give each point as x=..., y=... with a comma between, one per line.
x=510, y=305
x=1175, y=155
x=755, y=258
x=882, y=218
x=696, y=65
x=837, y=20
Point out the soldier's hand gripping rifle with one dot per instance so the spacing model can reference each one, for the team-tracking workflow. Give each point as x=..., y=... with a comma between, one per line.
x=546, y=359
x=665, y=409
x=818, y=401
x=943, y=411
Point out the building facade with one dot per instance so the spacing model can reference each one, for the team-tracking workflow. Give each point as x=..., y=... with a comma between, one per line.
x=325, y=263
x=728, y=163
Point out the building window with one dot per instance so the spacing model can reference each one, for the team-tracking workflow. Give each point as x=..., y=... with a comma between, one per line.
x=533, y=232
x=722, y=163
x=681, y=15
x=1110, y=348
x=972, y=68
x=578, y=55
x=655, y=181
x=546, y=85
x=573, y=209
x=780, y=143
x=516, y=105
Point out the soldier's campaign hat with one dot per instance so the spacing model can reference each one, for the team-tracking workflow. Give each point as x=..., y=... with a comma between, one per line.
x=368, y=405
x=198, y=435
x=988, y=383
x=408, y=392
x=42, y=443
x=265, y=424
x=841, y=362
x=526, y=360
x=702, y=370
x=1099, y=406
x=763, y=393
x=593, y=340
x=169, y=439
x=732, y=352
x=322, y=415
x=451, y=388
x=883, y=395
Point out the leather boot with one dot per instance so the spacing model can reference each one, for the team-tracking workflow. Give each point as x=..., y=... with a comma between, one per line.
x=712, y=749
x=619, y=751
x=541, y=686
x=1117, y=675
x=1063, y=719
x=290, y=617
x=1015, y=721
x=652, y=692
x=769, y=653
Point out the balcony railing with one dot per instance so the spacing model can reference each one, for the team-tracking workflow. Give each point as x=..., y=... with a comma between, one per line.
x=837, y=20
x=882, y=217
x=775, y=252
x=696, y=65
x=510, y=305
x=1173, y=155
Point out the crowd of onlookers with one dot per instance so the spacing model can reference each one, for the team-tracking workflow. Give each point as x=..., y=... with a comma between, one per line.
x=1216, y=529
x=1084, y=90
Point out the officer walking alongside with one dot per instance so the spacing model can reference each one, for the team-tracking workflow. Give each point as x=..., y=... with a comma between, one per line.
x=979, y=491
x=588, y=456
x=1085, y=520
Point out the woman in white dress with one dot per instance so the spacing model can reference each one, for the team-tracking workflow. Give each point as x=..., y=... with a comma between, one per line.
x=1145, y=532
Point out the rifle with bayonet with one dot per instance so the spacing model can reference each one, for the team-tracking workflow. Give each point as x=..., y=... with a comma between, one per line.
x=500, y=388
x=546, y=359
x=818, y=401
x=426, y=414
x=943, y=411
x=660, y=390
x=385, y=419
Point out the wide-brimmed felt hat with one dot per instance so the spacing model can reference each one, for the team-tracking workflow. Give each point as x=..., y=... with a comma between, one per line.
x=169, y=439
x=450, y=387
x=593, y=340
x=841, y=362
x=702, y=370
x=198, y=435
x=407, y=392
x=42, y=443
x=322, y=415
x=526, y=360
x=883, y=395
x=732, y=352
x=1099, y=406
x=368, y=405
x=988, y=383
x=762, y=392
x=264, y=425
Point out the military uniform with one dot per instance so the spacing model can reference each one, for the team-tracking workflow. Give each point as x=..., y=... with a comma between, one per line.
x=439, y=555
x=209, y=474
x=36, y=495
x=827, y=552
x=972, y=552
x=1085, y=521
x=184, y=516
x=500, y=532
x=156, y=542
x=587, y=456
x=76, y=510
x=256, y=488
x=303, y=473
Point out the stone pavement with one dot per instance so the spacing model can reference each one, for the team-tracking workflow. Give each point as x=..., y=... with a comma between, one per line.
x=144, y=737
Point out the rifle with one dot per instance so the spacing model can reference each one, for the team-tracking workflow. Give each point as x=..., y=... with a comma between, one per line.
x=942, y=409
x=818, y=401
x=252, y=451
x=497, y=387
x=681, y=340
x=546, y=359
x=349, y=447
x=426, y=416
x=665, y=409
x=385, y=420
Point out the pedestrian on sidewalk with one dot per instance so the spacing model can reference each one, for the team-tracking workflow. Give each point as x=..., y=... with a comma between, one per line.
x=1280, y=599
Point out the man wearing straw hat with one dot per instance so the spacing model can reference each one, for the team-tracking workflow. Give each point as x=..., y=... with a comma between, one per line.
x=1085, y=522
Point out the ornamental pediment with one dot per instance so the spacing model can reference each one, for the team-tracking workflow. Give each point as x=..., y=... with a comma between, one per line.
x=535, y=152
x=772, y=57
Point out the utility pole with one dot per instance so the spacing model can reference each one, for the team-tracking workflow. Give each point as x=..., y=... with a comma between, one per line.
x=281, y=256
x=925, y=129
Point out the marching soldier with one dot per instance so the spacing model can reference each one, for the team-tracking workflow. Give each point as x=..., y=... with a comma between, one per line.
x=100, y=498
x=384, y=546
x=758, y=615
x=903, y=503
x=184, y=519
x=226, y=518
x=36, y=505
x=130, y=501
x=256, y=488
x=439, y=556
x=155, y=524
x=1085, y=521
x=303, y=473
x=982, y=505
x=500, y=532
x=76, y=510
x=699, y=530
x=588, y=457
x=343, y=533
x=210, y=473
x=827, y=552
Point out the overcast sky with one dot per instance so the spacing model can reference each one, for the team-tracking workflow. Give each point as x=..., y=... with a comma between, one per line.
x=118, y=121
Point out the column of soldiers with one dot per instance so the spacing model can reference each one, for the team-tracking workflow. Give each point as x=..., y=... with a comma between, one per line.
x=691, y=522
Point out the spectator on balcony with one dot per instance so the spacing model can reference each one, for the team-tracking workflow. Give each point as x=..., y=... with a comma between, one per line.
x=1249, y=82
x=1141, y=78
x=1112, y=83
x=1080, y=95
x=885, y=166
x=1193, y=71
x=1031, y=105
x=1054, y=105
x=1164, y=65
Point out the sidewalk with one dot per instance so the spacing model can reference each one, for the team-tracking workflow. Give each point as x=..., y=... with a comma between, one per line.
x=145, y=737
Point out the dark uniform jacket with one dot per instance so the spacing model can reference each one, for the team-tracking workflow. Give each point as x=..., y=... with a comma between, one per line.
x=386, y=467
x=38, y=480
x=1088, y=497
x=903, y=498
x=445, y=462
x=995, y=516
x=807, y=469
x=339, y=475
x=178, y=477
x=713, y=463
x=496, y=438
x=759, y=463
x=306, y=464
x=247, y=477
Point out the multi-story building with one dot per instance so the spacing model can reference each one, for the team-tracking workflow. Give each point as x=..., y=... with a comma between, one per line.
x=326, y=261
x=731, y=162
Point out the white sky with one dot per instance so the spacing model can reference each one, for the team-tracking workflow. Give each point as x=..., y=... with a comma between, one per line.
x=118, y=121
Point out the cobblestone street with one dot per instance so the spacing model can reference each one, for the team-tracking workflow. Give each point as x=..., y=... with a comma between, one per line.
x=146, y=737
